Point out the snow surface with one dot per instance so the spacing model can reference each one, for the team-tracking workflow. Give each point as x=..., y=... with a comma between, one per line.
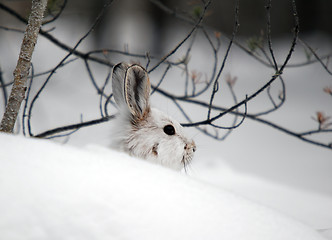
x=269, y=167
x=52, y=191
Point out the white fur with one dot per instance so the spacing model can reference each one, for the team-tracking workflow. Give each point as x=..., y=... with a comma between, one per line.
x=139, y=131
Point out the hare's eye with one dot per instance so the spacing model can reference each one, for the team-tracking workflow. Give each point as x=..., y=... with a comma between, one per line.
x=169, y=130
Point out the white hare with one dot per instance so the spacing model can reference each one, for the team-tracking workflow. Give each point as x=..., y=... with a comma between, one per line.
x=143, y=131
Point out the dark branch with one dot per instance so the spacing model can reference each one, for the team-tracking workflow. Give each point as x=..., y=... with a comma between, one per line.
x=73, y=127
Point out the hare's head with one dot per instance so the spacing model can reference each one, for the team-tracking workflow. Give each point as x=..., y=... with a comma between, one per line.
x=143, y=131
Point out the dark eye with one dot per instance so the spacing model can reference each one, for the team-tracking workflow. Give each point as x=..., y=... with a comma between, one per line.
x=169, y=130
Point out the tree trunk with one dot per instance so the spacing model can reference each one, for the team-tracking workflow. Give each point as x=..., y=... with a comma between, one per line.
x=21, y=72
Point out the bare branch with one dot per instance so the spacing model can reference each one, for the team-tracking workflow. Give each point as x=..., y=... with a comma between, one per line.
x=319, y=59
x=216, y=81
x=23, y=65
x=4, y=90
x=73, y=127
x=62, y=7
x=194, y=83
x=62, y=62
x=184, y=40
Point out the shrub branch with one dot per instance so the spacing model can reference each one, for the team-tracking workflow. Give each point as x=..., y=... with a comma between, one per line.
x=21, y=71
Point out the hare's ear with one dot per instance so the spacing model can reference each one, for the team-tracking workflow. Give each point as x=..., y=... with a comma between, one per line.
x=131, y=89
x=118, y=79
x=137, y=91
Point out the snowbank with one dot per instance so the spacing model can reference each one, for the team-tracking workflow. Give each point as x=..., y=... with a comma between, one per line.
x=310, y=207
x=49, y=191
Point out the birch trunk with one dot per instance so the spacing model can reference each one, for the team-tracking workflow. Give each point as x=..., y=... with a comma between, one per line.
x=21, y=71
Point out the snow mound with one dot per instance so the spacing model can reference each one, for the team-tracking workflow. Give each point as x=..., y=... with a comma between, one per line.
x=49, y=191
x=309, y=207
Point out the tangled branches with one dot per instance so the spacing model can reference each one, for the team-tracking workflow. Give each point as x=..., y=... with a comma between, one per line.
x=198, y=90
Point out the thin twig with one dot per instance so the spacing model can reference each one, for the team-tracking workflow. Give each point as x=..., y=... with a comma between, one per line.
x=3, y=87
x=73, y=127
x=26, y=102
x=216, y=81
x=64, y=4
x=62, y=61
x=184, y=40
x=161, y=79
x=319, y=59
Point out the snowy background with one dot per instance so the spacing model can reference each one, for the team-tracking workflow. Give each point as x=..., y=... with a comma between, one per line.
x=255, y=162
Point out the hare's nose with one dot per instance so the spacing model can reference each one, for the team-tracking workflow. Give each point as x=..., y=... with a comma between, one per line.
x=190, y=146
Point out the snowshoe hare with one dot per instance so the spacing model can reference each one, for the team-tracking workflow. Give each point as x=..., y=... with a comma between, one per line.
x=142, y=131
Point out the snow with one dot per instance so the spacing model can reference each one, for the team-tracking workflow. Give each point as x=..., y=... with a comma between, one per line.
x=312, y=208
x=53, y=191
x=49, y=191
